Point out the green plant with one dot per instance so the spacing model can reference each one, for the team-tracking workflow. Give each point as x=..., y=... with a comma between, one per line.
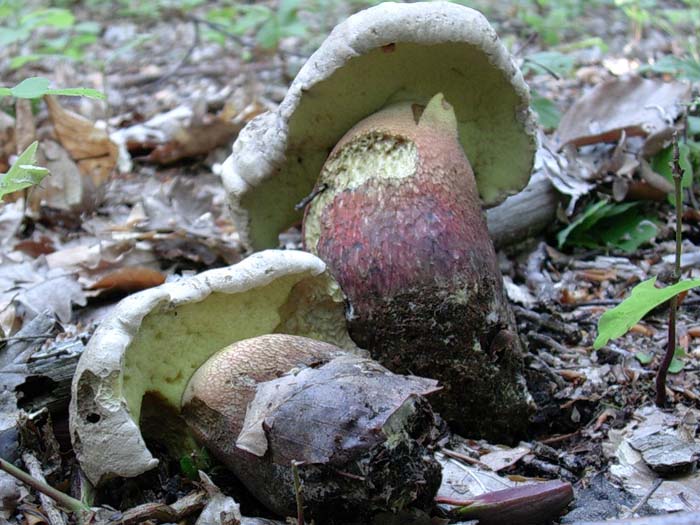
x=645, y=296
x=552, y=63
x=604, y=224
x=23, y=173
x=268, y=25
x=639, y=12
x=642, y=300
x=683, y=68
x=50, y=32
x=37, y=87
x=551, y=19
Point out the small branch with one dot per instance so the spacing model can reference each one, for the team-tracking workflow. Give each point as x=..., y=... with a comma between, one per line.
x=183, y=60
x=311, y=196
x=53, y=515
x=298, y=492
x=671, y=346
x=654, y=486
x=68, y=503
x=463, y=457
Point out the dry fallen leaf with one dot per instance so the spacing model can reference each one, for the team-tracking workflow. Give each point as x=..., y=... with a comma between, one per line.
x=633, y=105
x=89, y=146
x=129, y=280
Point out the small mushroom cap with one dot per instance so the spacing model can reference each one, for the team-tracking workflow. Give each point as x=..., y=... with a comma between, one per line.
x=153, y=341
x=386, y=54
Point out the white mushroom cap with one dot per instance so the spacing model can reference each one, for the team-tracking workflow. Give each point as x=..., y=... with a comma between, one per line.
x=153, y=341
x=388, y=53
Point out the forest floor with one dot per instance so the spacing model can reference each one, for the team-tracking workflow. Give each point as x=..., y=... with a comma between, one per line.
x=145, y=205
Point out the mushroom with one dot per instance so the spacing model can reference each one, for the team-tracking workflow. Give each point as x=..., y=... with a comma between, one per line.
x=130, y=379
x=358, y=434
x=426, y=120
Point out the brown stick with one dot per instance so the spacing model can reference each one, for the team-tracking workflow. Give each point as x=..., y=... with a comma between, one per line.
x=298, y=492
x=671, y=346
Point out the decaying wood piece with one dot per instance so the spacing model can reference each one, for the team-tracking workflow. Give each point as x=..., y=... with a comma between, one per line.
x=525, y=214
x=53, y=514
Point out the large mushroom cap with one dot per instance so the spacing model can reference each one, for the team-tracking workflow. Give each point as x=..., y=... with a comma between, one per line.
x=386, y=54
x=138, y=362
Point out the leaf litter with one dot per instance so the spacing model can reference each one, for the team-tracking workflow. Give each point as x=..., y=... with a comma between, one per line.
x=112, y=219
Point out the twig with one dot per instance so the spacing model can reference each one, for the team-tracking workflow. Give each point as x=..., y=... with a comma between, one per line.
x=53, y=515
x=311, y=196
x=297, y=491
x=543, y=66
x=671, y=346
x=68, y=503
x=657, y=483
x=464, y=457
x=183, y=60
x=25, y=338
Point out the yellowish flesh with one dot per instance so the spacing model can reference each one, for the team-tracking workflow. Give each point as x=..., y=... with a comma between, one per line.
x=172, y=344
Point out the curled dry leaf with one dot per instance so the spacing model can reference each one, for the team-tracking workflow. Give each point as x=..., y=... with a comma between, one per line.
x=633, y=106
x=89, y=146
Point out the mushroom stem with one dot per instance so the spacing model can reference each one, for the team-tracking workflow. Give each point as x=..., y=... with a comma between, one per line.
x=401, y=227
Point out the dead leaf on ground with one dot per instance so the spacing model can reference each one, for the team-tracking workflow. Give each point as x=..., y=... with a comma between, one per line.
x=7, y=140
x=88, y=145
x=129, y=280
x=633, y=105
x=38, y=288
x=67, y=189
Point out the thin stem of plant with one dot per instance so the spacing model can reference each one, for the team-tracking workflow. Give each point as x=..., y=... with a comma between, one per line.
x=298, y=492
x=671, y=347
x=67, y=502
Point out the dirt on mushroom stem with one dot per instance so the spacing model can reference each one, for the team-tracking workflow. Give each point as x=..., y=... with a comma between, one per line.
x=402, y=230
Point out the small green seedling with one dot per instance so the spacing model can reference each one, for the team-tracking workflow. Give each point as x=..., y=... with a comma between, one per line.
x=604, y=224
x=644, y=298
x=23, y=173
x=677, y=363
x=37, y=87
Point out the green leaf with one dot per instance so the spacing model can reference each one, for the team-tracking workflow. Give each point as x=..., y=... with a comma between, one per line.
x=548, y=62
x=23, y=173
x=642, y=232
x=602, y=224
x=693, y=125
x=9, y=35
x=682, y=68
x=36, y=87
x=268, y=36
x=643, y=357
x=77, y=92
x=188, y=467
x=18, y=62
x=547, y=112
x=287, y=11
x=644, y=298
x=677, y=362
x=33, y=87
x=589, y=213
x=55, y=17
